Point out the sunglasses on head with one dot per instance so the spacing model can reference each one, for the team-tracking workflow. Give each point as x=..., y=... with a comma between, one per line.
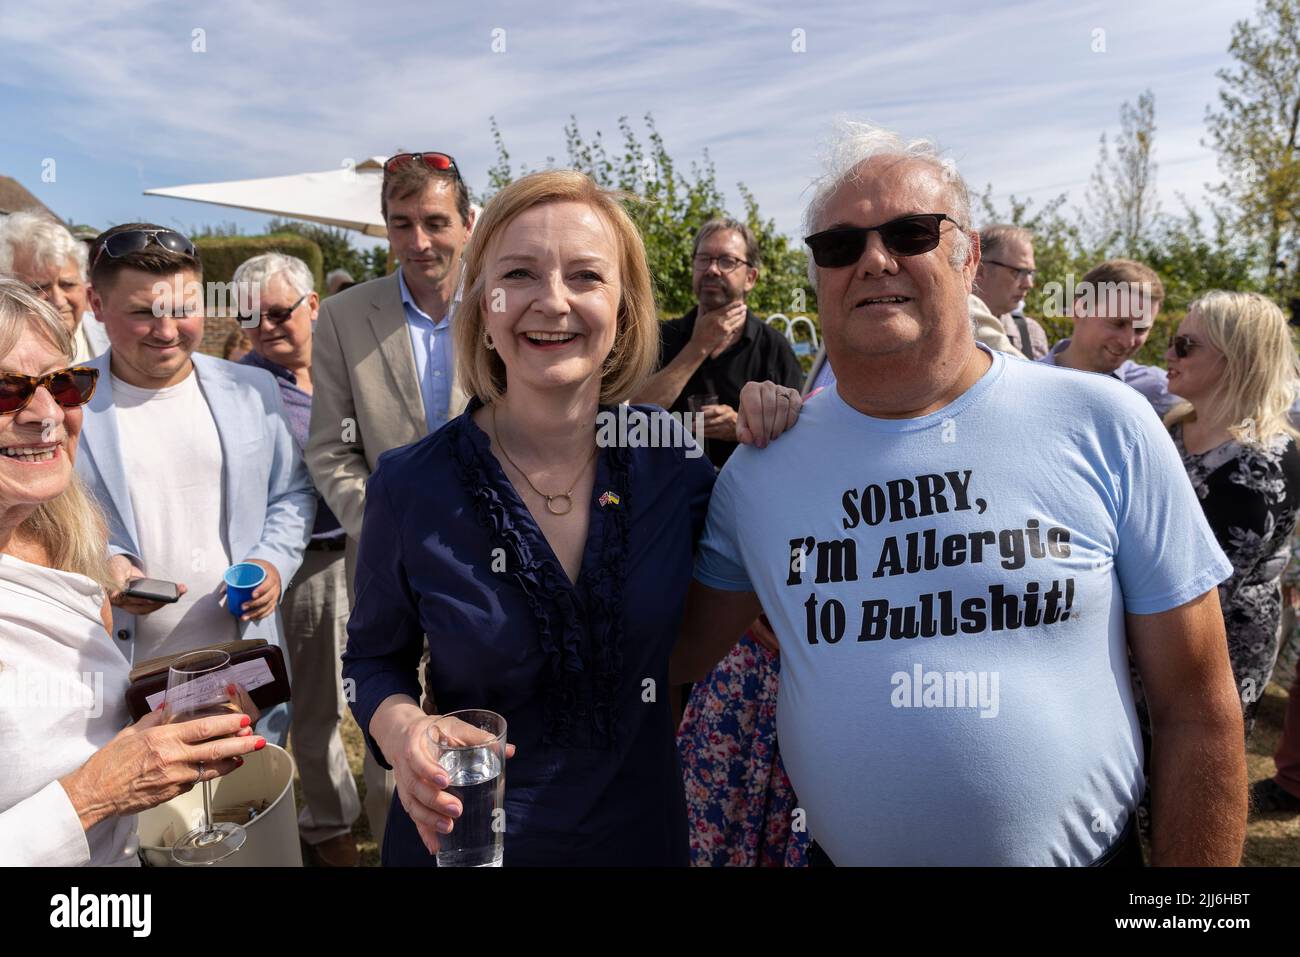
x=905, y=236
x=438, y=162
x=1182, y=345
x=134, y=240
x=70, y=388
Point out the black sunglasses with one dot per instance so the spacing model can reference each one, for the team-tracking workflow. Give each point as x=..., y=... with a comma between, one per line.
x=133, y=240
x=276, y=316
x=438, y=162
x=70, y=388
x=905, y=236
x=1182, y=345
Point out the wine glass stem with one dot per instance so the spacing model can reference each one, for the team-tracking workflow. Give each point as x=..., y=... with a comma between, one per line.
x=207, y=807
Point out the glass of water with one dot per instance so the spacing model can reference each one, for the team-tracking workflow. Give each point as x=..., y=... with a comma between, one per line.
x=471, y=747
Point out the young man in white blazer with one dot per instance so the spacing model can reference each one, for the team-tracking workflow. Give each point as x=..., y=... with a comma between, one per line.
x=190, y=458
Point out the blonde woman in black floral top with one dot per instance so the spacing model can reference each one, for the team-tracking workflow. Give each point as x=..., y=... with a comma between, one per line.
x=1234, y=363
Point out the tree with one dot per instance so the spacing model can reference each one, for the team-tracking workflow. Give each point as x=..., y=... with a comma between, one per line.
x=1255, y=129
x=1059, y=246
x=668, y=206
x=337, y=249
x=1122, y=204
x=1191, y=260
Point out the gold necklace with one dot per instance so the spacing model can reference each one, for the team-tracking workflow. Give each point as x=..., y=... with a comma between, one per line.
x=567, y=496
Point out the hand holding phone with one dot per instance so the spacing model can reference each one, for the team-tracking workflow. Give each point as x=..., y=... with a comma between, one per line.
x=122, y=569
x=152, y=589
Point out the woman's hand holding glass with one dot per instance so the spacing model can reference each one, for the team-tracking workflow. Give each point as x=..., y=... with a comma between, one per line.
x=151, y=762
x=422, y=782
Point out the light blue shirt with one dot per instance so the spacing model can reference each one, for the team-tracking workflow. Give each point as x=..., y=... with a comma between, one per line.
x=431, y=344
x=949, y=593
x=1151, y=381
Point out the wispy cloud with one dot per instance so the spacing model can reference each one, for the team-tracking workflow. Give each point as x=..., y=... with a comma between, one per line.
x=1016, y=91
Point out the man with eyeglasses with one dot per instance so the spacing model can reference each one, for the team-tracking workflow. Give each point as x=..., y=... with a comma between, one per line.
x=958, y=552
x=1114, y=308
x=710, y=353
x=1004, y=278
x=383, y=363
x=189, y=456
x=39, y=250
x=315, y=607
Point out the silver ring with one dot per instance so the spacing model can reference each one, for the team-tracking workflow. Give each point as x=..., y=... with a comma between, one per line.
x=200, y=777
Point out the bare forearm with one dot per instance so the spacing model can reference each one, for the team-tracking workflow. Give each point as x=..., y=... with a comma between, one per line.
x=91, y=808
x=712, y=624
x=1198, y=793
x=692, y=660
x=666, y=385
x=390, y=719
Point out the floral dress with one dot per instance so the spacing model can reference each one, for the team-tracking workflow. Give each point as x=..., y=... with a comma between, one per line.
x=1250, y=495
x=739, y=801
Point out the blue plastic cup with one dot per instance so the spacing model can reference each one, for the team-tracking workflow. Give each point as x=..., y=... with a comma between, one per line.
x=240, y=581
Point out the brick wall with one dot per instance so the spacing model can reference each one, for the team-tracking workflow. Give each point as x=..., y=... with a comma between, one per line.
x=215, y=331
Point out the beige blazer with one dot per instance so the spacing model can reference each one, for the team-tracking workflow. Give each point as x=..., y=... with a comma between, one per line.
x=988, y=328
x=366, y=394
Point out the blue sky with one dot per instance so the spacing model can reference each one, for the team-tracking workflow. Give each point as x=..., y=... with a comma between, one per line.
x=116, y=95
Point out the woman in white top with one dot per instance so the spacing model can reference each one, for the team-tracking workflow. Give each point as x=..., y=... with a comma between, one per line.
x=73, y=774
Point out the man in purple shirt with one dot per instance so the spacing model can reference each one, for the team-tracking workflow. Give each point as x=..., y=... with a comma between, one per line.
x=1114, y=310
x=315, y=607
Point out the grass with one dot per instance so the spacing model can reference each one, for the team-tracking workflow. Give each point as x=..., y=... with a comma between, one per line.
x=1271, y=840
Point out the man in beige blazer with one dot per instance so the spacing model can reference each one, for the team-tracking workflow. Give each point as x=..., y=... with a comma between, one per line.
x=373, y=390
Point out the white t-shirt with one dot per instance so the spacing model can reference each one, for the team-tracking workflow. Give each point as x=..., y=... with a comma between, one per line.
x=173, y=459
x=949, y=592
x=62, y=697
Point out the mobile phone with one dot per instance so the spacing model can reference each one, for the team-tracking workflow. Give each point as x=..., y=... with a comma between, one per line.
x=152, y=589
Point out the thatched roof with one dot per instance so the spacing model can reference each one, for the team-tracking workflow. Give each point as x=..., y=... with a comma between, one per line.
x=14, y=196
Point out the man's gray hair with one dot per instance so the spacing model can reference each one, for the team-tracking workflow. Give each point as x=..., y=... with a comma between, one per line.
x=44, y=240
x=850, y=145
x=337, y=277
x=995, y=237
x=725, y=224
x=258, y=270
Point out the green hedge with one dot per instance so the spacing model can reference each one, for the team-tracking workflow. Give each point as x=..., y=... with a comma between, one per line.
x=222, y=255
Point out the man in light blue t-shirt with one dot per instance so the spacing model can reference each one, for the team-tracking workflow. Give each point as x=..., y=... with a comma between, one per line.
x=956, y=603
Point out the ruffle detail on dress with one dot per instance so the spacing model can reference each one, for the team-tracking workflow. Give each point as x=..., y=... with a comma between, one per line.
x=547, y=591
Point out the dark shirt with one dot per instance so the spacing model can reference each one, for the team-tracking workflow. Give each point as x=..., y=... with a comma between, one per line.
x=297, y=409
x=596, y=779
x=760, y=353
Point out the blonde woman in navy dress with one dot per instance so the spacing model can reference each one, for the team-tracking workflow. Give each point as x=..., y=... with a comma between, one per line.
x=547, y=567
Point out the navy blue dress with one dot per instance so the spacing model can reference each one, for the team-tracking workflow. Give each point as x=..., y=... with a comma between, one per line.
x=596, y=779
